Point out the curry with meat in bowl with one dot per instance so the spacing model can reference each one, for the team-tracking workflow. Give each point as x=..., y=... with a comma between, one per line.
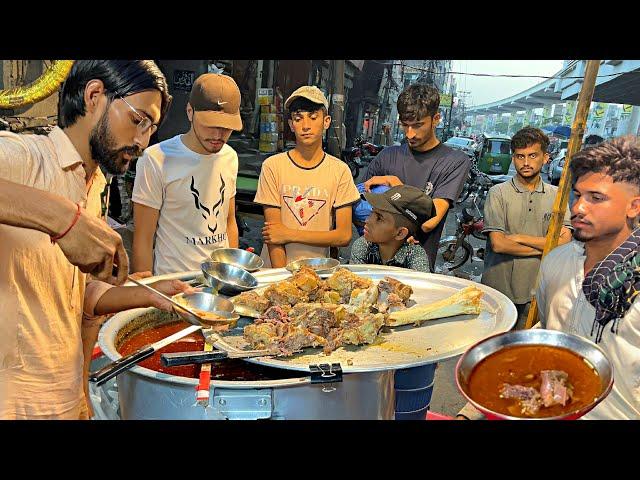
x=534, y=374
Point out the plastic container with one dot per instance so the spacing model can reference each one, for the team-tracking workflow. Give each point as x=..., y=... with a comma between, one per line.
x=362, y=209
x=413, y=390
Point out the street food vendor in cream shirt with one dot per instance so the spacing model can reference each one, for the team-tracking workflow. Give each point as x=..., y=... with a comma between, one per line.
x=51, y=232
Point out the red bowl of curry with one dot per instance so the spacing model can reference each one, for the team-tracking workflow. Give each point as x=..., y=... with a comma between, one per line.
x=534, y=374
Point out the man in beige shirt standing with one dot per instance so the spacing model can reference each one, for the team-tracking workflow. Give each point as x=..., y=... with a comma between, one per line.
x=305, y=192
x=51, y=233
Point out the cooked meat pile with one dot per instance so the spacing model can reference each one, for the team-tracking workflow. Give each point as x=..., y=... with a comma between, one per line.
x=554, y=390
x=252, y=301
x=306, y=311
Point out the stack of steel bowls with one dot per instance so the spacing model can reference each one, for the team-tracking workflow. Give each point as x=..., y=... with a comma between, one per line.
x=228, y=272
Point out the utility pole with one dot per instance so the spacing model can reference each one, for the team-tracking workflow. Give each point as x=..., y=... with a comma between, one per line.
x=385, y=105
x=337, y=109
x=446, y=135
x=463, y=105
x=255, y=119
x=449, y=121
x=401, y=86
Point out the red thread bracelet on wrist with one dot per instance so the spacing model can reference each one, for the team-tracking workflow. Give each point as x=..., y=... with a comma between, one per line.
x=75, y=220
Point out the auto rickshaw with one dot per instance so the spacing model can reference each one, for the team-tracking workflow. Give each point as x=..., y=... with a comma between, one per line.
x=494, y=157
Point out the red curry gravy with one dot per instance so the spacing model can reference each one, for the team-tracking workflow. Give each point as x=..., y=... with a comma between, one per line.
x=521, y=365
x=230, y=369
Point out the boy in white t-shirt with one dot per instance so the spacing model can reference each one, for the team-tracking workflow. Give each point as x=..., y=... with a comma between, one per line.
x=185, y=187
x=306, y=194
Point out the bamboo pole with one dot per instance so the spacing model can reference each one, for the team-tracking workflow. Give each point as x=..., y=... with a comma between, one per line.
x=562, y=197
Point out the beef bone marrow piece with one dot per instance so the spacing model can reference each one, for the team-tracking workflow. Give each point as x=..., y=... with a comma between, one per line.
x=464, y=302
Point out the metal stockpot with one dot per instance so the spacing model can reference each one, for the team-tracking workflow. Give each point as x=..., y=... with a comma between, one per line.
x=149, y=395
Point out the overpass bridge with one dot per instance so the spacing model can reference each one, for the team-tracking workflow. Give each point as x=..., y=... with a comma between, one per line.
x=618, y=82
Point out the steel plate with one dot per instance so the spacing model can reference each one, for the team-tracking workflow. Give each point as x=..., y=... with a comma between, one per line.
x=399, y=347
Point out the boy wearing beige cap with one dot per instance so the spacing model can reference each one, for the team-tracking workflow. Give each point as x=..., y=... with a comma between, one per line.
x=306, y=193
x=184, y=192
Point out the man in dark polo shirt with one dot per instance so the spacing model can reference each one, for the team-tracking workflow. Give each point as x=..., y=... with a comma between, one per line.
x=423, y=162
x=517, y=214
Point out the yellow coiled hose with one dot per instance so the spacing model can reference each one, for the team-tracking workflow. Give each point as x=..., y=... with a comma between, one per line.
x=40, y=89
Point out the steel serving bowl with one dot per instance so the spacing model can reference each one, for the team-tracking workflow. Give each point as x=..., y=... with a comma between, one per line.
x=588, y=350
x=320, y=265
x=207, y=301
x=238, y=258
x=227, y=279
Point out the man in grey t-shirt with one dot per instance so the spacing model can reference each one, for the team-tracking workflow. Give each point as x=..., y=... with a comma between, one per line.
x=517, y=214
x=422, y=162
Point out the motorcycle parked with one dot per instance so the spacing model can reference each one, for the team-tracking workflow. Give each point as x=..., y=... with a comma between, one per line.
x=360, y=155
x=366, y=149
x=352, y=158
x=477, y=185
x=456, y=250
x=470, y=182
